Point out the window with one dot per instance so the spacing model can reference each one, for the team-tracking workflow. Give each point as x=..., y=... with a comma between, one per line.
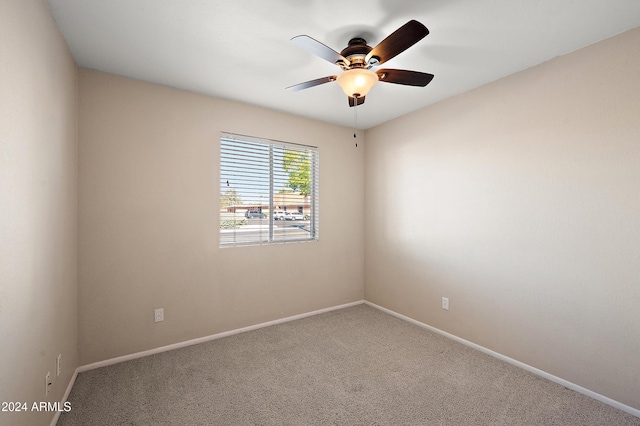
x=268, y=191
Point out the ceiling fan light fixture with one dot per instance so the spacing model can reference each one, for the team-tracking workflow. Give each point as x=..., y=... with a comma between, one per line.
x=357, y=82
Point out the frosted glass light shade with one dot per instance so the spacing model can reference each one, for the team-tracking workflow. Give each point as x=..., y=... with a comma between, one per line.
x=357, y=82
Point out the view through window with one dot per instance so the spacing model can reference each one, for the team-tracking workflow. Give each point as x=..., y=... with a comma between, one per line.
x=268, y=191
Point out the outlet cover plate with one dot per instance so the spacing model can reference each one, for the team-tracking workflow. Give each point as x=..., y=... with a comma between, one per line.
x=158, y=315
x=47, y=383
x=58, y=365
x=445, y=303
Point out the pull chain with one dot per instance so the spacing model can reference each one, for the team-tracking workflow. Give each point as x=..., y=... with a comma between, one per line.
x=355, y=119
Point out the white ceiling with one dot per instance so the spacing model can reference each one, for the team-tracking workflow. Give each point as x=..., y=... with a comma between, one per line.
x=240, y=49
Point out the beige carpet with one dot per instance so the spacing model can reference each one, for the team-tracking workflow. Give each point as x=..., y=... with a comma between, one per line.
x=355, y=366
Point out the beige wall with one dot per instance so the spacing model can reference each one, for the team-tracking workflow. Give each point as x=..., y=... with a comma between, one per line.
x=148, y=233
x=520, y=202
x=38, y=208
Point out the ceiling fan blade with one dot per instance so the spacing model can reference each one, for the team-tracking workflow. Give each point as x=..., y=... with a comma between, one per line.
x=314, y=46
x=352, y=100
x=398, y=41
x=408, y=78
x=311, y=83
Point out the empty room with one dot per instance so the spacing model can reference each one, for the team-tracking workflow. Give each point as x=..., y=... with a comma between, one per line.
x=221, y=212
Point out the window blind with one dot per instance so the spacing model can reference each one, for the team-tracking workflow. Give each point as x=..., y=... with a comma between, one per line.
x=269, y=191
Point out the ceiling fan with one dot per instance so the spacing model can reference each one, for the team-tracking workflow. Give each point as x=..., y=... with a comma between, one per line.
x=357, y=59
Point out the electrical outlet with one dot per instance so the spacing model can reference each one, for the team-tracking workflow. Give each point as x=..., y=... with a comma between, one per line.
x=445, y=303
x=58, y=365
x=47, y=384
x=158, y=315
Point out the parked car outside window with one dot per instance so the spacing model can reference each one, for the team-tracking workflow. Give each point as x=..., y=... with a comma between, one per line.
x=249, y=214
x=279, y=215
x=294, y=216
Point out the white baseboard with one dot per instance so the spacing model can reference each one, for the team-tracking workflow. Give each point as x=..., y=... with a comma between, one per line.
x=541, y=373
x=136, y=355
x=56, y=416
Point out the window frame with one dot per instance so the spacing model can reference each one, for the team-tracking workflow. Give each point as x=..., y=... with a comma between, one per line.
x=231, y=148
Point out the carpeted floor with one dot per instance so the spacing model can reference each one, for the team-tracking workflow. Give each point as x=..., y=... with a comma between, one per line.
x=354, y=366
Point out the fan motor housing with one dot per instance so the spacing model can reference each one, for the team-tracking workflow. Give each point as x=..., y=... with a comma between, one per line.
x=356, y=52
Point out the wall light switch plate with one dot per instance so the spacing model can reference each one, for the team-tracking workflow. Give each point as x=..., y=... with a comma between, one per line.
x=158, y=315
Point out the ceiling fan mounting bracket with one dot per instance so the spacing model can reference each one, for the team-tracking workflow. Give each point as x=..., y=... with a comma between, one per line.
x=342, y=64
x=374, y=61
